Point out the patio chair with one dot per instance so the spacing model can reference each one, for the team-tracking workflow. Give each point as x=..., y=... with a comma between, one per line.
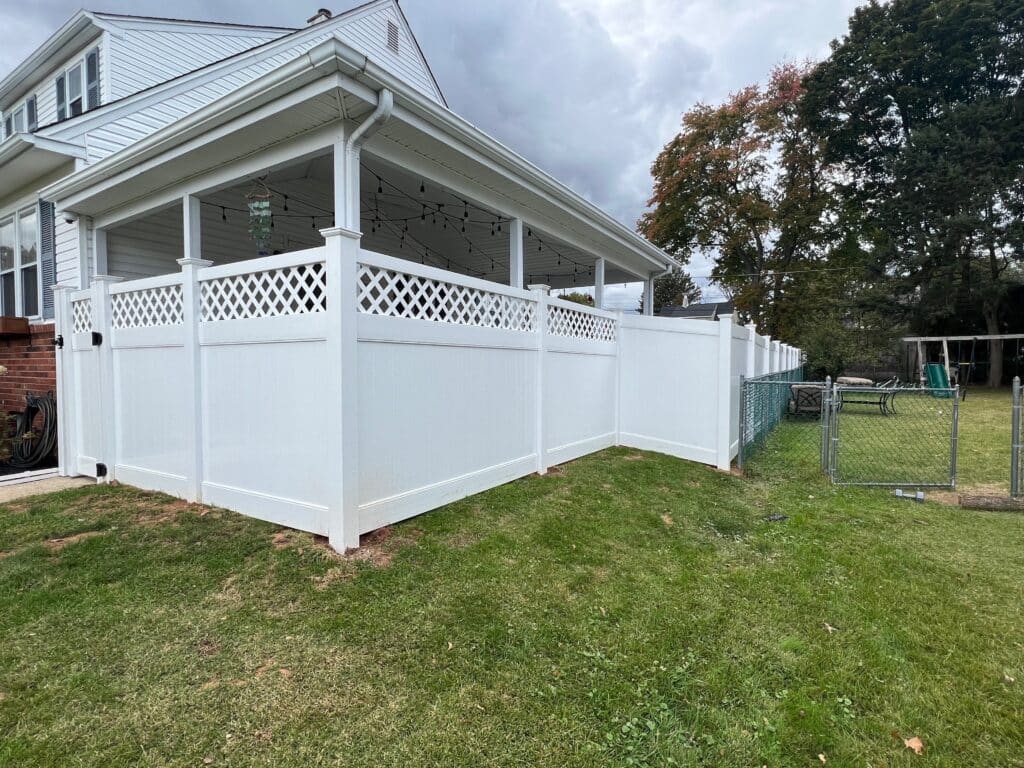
x=806, y=399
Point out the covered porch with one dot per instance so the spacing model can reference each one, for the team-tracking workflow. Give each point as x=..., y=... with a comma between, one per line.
x=328, y=144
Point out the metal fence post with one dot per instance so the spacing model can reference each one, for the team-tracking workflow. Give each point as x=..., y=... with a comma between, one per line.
x=833, y=432
x=1015, y=441
x=954, y=437
x=743, y=422
x=826, y=409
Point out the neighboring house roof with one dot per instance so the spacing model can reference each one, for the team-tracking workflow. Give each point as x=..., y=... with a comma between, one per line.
x=711, y=310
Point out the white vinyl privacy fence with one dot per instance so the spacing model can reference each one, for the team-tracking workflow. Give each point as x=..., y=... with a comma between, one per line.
x=337, y=390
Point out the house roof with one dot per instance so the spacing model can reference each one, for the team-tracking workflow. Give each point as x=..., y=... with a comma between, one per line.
x=710, y=310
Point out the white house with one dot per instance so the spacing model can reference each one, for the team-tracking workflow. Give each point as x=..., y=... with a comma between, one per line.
x=290, y=281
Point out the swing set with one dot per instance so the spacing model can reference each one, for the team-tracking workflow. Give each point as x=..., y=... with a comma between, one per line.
x=960, y=370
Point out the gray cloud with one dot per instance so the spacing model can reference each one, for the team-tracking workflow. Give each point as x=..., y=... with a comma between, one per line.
x=589, y=90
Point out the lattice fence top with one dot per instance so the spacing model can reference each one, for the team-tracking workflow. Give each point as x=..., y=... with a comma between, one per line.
x=298, y=290
x=575, y=324
x=398, y=294
x=147, y=308
x=81, y=315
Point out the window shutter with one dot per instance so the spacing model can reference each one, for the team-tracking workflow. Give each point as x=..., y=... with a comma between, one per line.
x=30, y=113
x=62, y=107
x=47, y=255
x=92, y=79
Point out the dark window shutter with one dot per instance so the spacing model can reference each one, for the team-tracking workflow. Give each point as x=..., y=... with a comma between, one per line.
x=30, y=114
x=92, y=79
x=62, y=107
x=47, y=255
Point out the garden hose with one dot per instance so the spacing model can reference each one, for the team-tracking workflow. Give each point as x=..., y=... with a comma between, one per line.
x=33, y=446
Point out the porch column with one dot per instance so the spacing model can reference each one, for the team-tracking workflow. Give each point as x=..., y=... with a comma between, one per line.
x=649, y=296
x=515, y=253
x=190, y=210
x=599, y=283
x=99, y=249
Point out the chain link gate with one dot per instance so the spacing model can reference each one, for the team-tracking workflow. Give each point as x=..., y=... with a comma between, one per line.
x=872, y=436
x=893, y=436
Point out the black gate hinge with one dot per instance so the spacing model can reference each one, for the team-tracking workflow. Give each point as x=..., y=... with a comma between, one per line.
x=59, y=342
x=97, y=338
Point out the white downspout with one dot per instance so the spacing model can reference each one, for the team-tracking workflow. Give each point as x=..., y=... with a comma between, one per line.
x=369, y=126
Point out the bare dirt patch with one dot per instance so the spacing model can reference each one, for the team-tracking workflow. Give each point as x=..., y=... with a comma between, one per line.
x=952, y=498
x=634, y=457
x=377, y=549
x=56, y=545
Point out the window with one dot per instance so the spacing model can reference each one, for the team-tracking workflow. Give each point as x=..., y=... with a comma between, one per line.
x=21, y=119
x=7, y=245
x=76, y=105
x=28, y=247
x=78, y=89
x=19, y=264
x=30, y=113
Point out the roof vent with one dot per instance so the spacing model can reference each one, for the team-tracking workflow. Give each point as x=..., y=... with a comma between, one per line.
x=321, y=15
x=393, y=36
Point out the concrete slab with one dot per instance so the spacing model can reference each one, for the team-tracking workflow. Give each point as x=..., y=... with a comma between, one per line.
x=44, y=485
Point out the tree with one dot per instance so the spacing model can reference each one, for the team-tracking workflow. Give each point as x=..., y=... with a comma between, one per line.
x=744, y=182
x=674, y=288
x=579, y=298
x=921, y=106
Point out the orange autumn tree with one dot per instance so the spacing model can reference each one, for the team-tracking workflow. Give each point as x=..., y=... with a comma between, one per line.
x=743, y=182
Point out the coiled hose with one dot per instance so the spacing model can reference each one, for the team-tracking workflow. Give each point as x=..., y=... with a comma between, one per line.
x=33, y=446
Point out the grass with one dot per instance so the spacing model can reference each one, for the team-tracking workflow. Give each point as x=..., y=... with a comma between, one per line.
x=629, y=609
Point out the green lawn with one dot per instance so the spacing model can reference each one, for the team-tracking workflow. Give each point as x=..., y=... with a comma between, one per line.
x=631, y=609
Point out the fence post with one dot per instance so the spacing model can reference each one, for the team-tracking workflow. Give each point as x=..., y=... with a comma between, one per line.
x=954, y=437
x=1016, y=441
x=768, y=355
x=62, y=339
x=542, y=292
x=101, y=325
x=724, y=391
x=743, y=423
x=835, y=404
x=191, y=304
x=826, y=419
x=618, y=377
x=751, y=355
x=341, y=259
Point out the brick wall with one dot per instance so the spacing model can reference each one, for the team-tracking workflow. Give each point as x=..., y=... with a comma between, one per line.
x=31, y=366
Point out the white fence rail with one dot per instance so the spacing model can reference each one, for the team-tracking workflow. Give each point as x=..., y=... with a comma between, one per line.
x=337, y=390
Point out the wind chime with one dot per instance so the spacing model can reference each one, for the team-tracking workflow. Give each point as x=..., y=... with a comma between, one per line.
x=261, y=219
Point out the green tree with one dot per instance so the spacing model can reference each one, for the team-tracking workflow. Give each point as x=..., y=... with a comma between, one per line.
x=579, y=298
x=921, y=106
x=744, y=182
x=674, y=288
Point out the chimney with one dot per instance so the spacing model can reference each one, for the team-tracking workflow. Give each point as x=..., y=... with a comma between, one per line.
x=321, y=15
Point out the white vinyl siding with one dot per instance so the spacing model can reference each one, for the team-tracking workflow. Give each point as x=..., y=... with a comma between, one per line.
x=67, y=251
x=142, y=58
x=368, y=32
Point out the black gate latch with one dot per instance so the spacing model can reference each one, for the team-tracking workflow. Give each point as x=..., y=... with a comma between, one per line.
x=59, y=342
x=101, y=469
x=97, y=338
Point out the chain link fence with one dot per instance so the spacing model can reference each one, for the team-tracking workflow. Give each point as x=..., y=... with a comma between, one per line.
x=1017, y=443
x=780, y=423
x=855, y=435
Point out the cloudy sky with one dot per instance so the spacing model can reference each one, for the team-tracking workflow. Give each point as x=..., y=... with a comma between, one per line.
x=589, y=90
